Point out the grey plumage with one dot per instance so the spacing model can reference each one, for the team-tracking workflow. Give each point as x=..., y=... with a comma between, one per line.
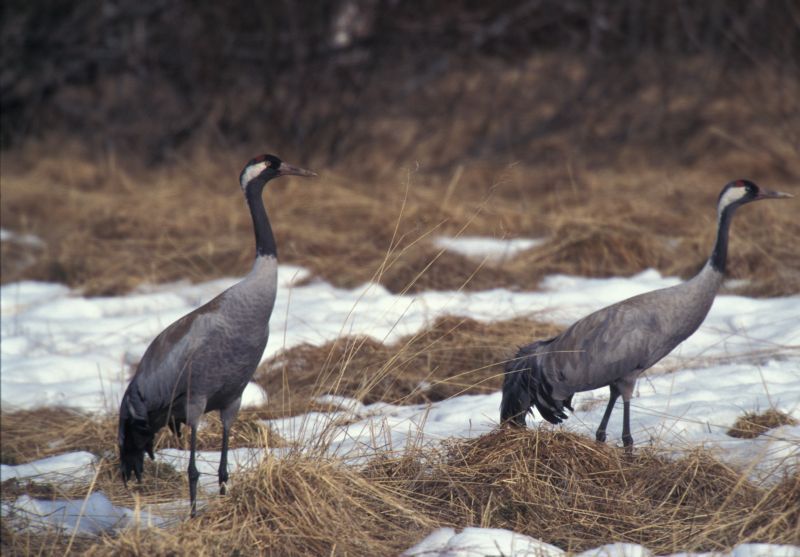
x=612, y=346
x=203, y=361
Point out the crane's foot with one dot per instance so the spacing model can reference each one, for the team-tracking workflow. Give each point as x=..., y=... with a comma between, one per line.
x=627, y=443
x=194, y=475
x=600, y=436
x=223, y=479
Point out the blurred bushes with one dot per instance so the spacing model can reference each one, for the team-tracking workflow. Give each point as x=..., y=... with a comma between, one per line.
x=312, y=77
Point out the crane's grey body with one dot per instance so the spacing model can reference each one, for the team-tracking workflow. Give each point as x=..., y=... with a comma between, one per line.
x=204, y=360
x=627, y=337
x=612, y=346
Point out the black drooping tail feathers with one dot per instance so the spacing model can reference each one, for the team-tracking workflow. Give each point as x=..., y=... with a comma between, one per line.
x=516, y=401
x=524, y=386
x=135, y=435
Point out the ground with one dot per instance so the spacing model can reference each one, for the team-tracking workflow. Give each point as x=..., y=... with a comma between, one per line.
x=413, y=359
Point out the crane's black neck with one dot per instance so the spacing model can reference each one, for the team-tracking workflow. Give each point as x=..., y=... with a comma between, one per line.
x=265, y=239
x=720, y=253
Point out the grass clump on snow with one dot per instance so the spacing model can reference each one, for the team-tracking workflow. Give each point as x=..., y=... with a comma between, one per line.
x=453, y=356
x=752, y=424
x=108, y=228
x=559, y=487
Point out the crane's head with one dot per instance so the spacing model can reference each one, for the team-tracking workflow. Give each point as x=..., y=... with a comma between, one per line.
x=739, y=192
x=263, y=168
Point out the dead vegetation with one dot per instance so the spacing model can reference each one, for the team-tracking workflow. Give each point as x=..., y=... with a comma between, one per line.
x=752, y=424
x=454, y=356
x=29, y=435
x=561, y=488
x=610, y=142
x=610, y=138
x=555, y=486
x=107, y=230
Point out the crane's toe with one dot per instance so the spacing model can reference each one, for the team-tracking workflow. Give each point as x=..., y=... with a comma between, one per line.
x=600, y=436
x=627, y=441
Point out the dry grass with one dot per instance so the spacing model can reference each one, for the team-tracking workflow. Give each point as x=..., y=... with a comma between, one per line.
x=29, y=435
x=558, y=487
x=17, y=543
x=107, y=229
x=110, y=223
x=454, y=356
x=753, y=424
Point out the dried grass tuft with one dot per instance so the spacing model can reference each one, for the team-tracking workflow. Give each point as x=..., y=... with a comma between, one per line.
x=752, y=424
x=559, y=487
x=33, y=434
x=107, y=228
x=572, y=492
x=455, y=355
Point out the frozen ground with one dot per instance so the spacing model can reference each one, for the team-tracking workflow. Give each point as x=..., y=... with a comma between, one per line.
x=491, y=249
x=61, y=348
x=481, y=542
x=58, y=347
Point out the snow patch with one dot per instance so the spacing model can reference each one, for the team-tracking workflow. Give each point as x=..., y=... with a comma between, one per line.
x=29, y=240
x=492, y=249
x=68, y=468
x=93, y=515
x=59, y=348
x=49, y=357
x=481, y=542
x=253, y=396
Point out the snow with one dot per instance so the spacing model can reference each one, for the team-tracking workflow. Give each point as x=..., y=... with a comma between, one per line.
x=60, y=348
x=68, y=468
x=28, y=240
x=93, y=515
x=480, y=542
x=492, y=249
x=253, y=396
x=688, y=408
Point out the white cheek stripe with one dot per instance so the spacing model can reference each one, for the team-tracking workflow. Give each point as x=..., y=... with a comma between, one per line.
x=731, y=196
x=251, y=172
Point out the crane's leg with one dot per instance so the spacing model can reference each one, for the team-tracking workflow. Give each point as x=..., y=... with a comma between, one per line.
x=227, y=416
x=625, y=387
x=223, y=461
x=174, y=425
x=612, y=399
x=194, y=409
x=194, y=475
x=627, y=438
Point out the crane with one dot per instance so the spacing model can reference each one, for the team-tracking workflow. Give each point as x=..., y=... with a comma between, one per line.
x=203, y=361
x=614, y=345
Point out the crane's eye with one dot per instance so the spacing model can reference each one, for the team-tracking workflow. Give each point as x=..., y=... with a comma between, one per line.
x=751, y=189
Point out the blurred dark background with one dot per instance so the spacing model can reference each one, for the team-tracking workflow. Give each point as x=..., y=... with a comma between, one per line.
x=332, y=79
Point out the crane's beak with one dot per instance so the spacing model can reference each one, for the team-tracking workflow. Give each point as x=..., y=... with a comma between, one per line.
x=768, y=194
x=287, y=169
